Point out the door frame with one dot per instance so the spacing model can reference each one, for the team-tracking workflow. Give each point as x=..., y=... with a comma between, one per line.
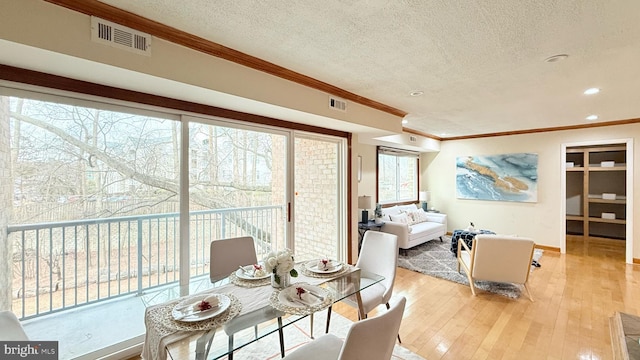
x=629, y=192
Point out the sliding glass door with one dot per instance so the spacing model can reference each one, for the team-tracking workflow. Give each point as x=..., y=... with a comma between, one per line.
x=237, y=187
x=94, y=209
x=111, y=202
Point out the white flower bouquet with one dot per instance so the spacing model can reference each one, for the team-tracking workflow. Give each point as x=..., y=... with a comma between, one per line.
x=280, y=263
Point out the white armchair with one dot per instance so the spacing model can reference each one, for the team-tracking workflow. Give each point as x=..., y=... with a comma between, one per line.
x=498, y=258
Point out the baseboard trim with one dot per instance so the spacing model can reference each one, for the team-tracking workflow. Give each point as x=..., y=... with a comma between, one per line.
x=549, y=248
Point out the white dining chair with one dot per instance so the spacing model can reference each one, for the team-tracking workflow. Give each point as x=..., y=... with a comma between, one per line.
x=379, y=255
x=10, y=327
x=370, y=339
x=226, y=256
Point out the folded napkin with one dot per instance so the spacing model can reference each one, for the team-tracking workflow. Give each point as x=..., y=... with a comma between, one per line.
x=325, y=264
x=304, y=299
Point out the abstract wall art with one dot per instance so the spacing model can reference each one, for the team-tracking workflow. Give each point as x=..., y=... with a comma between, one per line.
x=503, y=177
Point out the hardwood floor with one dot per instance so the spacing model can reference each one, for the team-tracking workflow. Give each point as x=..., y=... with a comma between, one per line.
x=574, y=293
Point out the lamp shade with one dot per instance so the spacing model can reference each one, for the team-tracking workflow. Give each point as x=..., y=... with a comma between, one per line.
x=424, y=196
x=364, y=202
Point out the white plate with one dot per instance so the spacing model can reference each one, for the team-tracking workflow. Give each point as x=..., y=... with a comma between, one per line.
x=186, y=306
x=289, y=296
x=246, y=274
x=313, y=267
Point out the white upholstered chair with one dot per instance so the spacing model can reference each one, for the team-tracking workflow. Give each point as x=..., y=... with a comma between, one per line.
x=370, y=339
x=10, y=327
x=379, y=255
x=226, y=256
x=497, y=258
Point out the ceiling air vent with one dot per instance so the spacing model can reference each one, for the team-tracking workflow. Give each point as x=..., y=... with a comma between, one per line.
x=337, y=103
x=119, y=36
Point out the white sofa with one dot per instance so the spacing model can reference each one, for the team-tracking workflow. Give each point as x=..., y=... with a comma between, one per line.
x=412, y=225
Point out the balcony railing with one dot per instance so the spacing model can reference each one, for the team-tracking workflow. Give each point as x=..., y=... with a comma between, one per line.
x=62, y=265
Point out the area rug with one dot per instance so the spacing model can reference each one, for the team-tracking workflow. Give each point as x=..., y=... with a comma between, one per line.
x=434, y=258
x=297, y=334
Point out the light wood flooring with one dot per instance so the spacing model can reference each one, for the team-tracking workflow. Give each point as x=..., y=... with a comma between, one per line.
x=574, y=293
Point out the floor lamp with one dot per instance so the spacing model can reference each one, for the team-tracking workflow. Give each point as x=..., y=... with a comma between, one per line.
x=364, y=203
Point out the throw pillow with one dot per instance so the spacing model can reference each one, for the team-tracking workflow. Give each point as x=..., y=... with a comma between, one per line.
x=387, y=212
x=419, y=216
x=401, y=218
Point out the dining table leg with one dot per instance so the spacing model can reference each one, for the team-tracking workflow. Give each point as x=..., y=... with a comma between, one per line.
x=203, y=344
x=281, y=335
x=326, y=330
x=361, y=314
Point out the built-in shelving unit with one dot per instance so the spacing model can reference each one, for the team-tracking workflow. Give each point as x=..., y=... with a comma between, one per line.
x=596, y=186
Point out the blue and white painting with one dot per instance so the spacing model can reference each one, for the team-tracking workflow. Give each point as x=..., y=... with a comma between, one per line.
x=504, y=177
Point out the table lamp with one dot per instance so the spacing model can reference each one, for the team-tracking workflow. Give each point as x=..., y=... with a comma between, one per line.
x=364, y=203
x=424, y=197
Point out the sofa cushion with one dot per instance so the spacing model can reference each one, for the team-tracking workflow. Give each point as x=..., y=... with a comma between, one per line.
x=408, y=208
x=387, y=212
x=418, y=216
x=401, y=218
x=425, y=229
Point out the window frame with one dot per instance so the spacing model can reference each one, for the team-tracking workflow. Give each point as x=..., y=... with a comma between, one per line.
x=76, y=92
x=398, y=153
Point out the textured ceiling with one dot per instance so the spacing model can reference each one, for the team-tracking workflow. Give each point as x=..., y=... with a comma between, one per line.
x=480, y=64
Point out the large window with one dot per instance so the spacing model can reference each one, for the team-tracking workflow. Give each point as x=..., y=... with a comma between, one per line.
x=96, y=197
x=397, y=176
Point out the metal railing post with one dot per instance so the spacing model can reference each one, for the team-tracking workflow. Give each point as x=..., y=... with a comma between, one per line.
x=223, y=227
x=139, y=257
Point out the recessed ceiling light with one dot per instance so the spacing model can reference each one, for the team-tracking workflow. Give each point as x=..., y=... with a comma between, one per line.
x=405, y=121
x=555, y=58
x=591, y=91
x=592, y=117
x=416, y=93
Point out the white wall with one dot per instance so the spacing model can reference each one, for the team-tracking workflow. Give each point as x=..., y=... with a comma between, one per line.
x=541, y=220
x=367, y=186
x=49, y=38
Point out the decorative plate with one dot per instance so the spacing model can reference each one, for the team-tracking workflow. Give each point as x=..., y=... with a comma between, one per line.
x=312, y=296
x=183, y=311
x=313, y=267
x=314, y=299
x=247, y=274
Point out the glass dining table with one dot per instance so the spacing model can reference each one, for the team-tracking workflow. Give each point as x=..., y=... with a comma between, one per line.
x=254, y=306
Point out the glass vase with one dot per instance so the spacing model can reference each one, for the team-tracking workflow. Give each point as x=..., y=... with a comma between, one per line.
x=280, y=281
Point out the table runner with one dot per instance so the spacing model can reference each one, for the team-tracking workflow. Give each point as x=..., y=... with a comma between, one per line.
x=163, y=331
